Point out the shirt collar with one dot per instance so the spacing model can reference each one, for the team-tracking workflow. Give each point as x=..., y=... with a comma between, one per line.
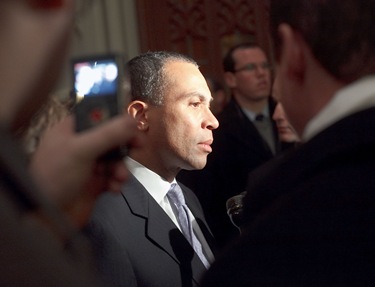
x=355, y=97
x=156, y=186
x=251, y=115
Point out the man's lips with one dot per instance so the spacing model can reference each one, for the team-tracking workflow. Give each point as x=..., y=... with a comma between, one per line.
x=263, y=84
x=206, y=145
x=284, y=129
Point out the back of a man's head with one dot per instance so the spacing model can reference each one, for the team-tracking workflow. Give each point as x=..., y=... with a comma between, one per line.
x=338, y=32
x=147, y=76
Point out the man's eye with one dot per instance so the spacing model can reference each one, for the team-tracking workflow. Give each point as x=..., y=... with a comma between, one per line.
x=195, y=104
x=250, y=67
x=266, y=66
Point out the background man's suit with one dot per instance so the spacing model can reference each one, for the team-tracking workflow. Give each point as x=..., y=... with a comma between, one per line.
x=238, y=148
x=137, y=244
x=311, y=214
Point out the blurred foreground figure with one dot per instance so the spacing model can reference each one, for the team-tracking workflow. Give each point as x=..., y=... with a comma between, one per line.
x=287, y=134
x=39, y=244
x=310, y=214
x=218, y=92
x=49, y=114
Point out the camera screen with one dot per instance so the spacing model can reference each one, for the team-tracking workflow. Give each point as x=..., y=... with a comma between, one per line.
x=94, y=78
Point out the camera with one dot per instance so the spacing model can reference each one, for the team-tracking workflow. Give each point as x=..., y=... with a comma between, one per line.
x=100, y=91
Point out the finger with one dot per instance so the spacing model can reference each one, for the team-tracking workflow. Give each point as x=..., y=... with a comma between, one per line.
x=109, y=135
x=63, y=127
x=115, y=186
x=111, y=176
x=120, y=172
x=119, y=175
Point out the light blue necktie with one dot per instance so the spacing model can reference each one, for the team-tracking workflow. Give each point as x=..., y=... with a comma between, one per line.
x=176, y=198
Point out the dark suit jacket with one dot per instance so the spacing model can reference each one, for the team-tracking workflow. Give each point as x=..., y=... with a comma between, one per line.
x=238, y=148
x=310, y=214
x=30, y=253
x=137, y=244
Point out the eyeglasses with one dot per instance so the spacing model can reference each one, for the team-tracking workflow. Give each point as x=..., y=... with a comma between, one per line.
x=252, y=67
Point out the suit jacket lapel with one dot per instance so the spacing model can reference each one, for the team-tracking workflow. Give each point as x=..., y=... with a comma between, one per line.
x=161, y=230
x=158, y=224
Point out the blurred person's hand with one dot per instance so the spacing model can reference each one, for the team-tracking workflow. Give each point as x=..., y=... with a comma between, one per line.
x=66, y=166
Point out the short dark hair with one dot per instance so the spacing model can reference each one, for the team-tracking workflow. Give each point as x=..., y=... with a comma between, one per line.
x=147, y=76
x=228, y=60
x=339, y=33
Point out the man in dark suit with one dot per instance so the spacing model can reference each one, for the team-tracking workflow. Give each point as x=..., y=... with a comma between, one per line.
x=246, y=138
x=311, y=214
x=139, y=236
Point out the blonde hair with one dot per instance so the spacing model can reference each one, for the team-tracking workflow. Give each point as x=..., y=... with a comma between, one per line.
x=49, y=114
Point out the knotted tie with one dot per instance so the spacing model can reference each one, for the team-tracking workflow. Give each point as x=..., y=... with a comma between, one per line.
x=177, y=199
x=259, y=117
x=264, y=127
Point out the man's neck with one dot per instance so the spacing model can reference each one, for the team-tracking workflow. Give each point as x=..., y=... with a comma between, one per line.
x=253, y=106
x=168, y=174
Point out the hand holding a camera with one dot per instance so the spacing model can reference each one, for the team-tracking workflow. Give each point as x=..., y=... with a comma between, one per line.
x=67, y=169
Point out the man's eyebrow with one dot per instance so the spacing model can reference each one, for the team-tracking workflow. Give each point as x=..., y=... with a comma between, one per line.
x=197, y=94
x=256, y=62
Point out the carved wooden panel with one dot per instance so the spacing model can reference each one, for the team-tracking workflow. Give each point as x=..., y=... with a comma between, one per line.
x=202, y=29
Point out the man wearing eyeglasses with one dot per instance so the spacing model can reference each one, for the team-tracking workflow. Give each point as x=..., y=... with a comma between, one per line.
x=246, y=138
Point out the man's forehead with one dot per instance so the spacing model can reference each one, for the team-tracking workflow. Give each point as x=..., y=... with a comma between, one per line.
x=255, y=54
x=175, y=69
x=172, y=63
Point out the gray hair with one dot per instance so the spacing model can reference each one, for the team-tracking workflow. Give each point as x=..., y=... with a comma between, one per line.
x=147, y=75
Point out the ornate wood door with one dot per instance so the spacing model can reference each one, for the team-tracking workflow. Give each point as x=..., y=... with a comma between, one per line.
x=202, y=29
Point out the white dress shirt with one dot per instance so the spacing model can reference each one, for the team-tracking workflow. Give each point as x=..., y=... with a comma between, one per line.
x=158, y=188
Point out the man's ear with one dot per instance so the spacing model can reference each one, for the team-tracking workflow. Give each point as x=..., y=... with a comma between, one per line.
x=230, y=79
x=292, y=57
x=138, y=111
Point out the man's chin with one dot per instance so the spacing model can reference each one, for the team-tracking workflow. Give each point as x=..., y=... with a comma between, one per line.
x=263, y=97
x=196, y=165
